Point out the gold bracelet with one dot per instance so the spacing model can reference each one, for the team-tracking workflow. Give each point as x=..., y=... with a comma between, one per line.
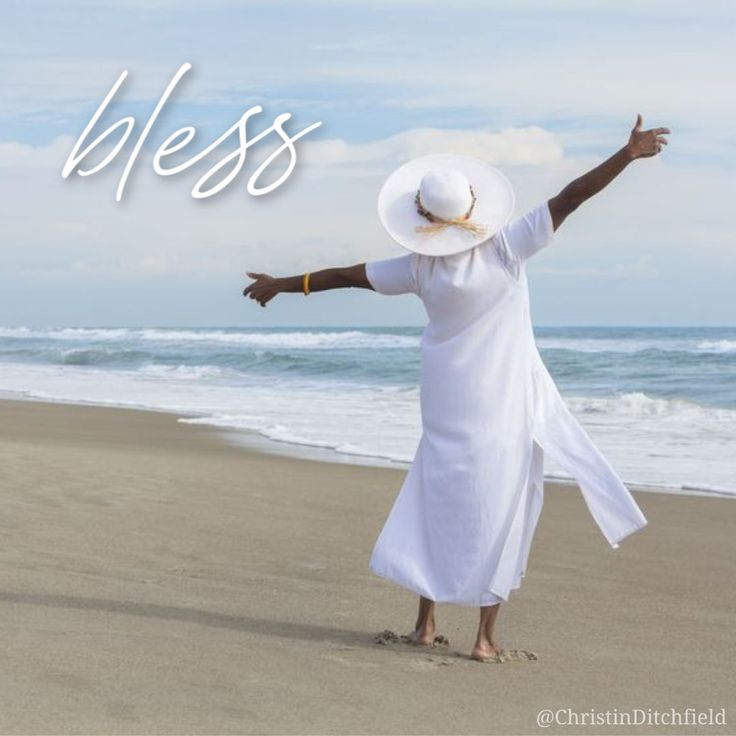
x=305, y=284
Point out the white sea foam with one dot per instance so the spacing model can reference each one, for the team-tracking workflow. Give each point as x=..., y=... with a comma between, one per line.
x=302, y=340
x=717, y=346
x=183, y=372
x=671, y=444
x=605, y=345
x=353, y=338
x=637, y=405
x=286, y=339
x=66, y=333
x=636, y=345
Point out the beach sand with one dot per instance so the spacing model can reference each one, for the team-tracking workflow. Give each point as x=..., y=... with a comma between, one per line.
x=158, y=579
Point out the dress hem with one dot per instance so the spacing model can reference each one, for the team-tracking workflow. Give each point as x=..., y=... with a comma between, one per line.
x=474, y=603
x=615, y=544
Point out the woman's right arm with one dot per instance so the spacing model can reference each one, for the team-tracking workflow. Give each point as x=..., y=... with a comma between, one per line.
x=265, y=287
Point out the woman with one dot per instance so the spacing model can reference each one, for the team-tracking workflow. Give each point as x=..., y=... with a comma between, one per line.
x=461, y=528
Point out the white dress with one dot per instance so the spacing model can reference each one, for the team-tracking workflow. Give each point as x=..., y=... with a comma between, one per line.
x=461, y=527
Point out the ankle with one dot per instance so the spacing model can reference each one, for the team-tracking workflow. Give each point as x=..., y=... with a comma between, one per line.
x=426, y=625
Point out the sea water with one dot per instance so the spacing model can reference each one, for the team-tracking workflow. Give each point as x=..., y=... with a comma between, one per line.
x=659, y=402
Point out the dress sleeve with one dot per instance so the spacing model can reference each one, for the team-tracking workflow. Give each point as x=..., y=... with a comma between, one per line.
x=394, y=275
x=527, y=234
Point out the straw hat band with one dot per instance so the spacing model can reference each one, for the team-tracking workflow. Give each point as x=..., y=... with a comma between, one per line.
x=440, y=223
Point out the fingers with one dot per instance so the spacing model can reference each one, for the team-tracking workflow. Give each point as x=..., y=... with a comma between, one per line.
x=637, y=125
x=252, y=275
x=256, y=290
x=661, y=131
x=659, y=139
x=260, y=296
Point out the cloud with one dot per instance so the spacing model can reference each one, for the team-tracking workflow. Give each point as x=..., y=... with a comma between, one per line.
x=327, y=209
x=14, y=154
x=158, y=229
x=510, y=146
x=513, y=62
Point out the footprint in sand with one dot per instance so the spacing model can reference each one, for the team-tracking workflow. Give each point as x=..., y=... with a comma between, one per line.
x=509, y=655
x=388, y=637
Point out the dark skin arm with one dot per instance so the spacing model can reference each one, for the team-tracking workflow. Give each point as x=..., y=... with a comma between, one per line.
x=641, y=144
x=265, y=287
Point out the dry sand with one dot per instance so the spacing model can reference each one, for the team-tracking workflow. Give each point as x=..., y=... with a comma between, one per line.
x=157, y=579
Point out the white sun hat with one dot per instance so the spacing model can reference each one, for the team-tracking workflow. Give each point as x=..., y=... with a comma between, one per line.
x=442, y=204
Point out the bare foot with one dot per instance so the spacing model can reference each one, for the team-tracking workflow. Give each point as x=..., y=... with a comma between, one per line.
x=421, y=637
x=492, y=652
x=485, y=650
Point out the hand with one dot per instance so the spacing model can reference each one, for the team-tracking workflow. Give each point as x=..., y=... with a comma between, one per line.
x=263, y=289
x=645, y=143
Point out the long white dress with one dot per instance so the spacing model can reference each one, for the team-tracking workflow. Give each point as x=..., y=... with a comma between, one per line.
x=461, y=527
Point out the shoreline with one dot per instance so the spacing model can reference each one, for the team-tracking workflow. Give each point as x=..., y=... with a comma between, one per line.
x=255, y=441
x=158, y=579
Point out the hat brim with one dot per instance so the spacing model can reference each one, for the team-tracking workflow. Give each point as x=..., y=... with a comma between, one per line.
x=398, y=213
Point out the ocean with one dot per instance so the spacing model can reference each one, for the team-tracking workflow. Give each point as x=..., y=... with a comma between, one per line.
x=659, y=402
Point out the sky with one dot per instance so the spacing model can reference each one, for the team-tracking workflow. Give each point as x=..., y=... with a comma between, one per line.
x=544, y=91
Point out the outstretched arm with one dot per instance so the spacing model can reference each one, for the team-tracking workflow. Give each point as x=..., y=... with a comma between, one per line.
x=265, y=287
x=641, y=144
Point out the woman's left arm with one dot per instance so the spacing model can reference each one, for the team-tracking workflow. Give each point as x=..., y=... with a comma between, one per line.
x=266, y=287
x=641, y=144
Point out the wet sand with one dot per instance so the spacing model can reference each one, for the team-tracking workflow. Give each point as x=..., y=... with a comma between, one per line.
x=158, y=579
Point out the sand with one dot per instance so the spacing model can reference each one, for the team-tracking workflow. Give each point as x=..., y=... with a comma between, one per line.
x=156, y=578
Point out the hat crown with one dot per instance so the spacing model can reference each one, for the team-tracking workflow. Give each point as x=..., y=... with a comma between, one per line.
x=445, y=193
